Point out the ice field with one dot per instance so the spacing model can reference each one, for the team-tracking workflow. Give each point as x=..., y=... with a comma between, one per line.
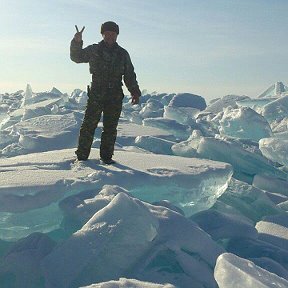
x=198, y=197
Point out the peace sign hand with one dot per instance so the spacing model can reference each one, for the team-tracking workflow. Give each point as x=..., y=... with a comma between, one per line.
x=78, y=35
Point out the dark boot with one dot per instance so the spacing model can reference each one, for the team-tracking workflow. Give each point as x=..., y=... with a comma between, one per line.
x=81, y=156
x=107, y=161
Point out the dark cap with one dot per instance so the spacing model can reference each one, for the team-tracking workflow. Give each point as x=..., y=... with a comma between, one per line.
x=109, y=26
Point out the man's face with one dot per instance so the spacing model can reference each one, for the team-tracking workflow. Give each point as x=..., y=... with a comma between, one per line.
x=110, y=37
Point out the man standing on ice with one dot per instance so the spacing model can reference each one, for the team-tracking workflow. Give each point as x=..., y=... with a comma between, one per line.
x=109, y=65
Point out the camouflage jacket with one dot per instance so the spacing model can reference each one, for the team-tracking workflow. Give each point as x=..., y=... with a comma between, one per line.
x=108, y=66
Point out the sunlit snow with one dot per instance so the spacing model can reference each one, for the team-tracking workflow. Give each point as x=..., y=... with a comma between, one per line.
x=197, y=197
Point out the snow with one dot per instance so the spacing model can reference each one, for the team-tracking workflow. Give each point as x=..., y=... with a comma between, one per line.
x=122, y=243
x=244, y=123
x=178, y=130
x=28, y=95
x=246, y=163
x=132, y=283
x=274, y=229
x=119, y=242
x=248, y=201
x=223, y=225
x=183, y=115
x=154, y=108
x=47, y=131
x=197, y=197
x=232, y=271
x=275, y=112
x=226, y=101
x=188, y=100
x=29, y=182
x=275, y=149
x=276, y=89
x=271, y=184
x=154, y=144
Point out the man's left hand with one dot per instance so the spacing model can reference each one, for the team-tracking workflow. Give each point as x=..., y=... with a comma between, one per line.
x=135, y=99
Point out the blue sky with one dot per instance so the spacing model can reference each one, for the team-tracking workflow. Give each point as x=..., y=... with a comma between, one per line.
x=209, y=47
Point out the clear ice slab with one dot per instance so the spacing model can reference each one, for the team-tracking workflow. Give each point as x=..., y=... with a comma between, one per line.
x=40, y=181
x=236, y=272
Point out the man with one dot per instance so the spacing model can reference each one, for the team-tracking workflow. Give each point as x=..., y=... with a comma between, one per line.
x=109, y=65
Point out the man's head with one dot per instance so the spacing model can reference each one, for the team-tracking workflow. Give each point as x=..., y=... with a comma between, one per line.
x=109, y=31
x=109, y=26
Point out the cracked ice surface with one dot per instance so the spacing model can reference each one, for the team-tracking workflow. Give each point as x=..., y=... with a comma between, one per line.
x=33, y=184
x=95, y=228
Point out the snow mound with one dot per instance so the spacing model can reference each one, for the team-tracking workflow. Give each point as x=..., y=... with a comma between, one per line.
x=244, y=123
x=46, y=132
x=188, y=100
x=229, y=100
x=183, y=115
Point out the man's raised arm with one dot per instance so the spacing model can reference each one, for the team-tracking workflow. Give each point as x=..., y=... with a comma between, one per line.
x=77, y=53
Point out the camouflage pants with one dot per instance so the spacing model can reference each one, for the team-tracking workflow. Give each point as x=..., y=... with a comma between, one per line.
x=108, y=102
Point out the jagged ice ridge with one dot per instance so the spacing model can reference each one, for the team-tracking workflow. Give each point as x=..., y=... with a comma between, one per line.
x=197, y=197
